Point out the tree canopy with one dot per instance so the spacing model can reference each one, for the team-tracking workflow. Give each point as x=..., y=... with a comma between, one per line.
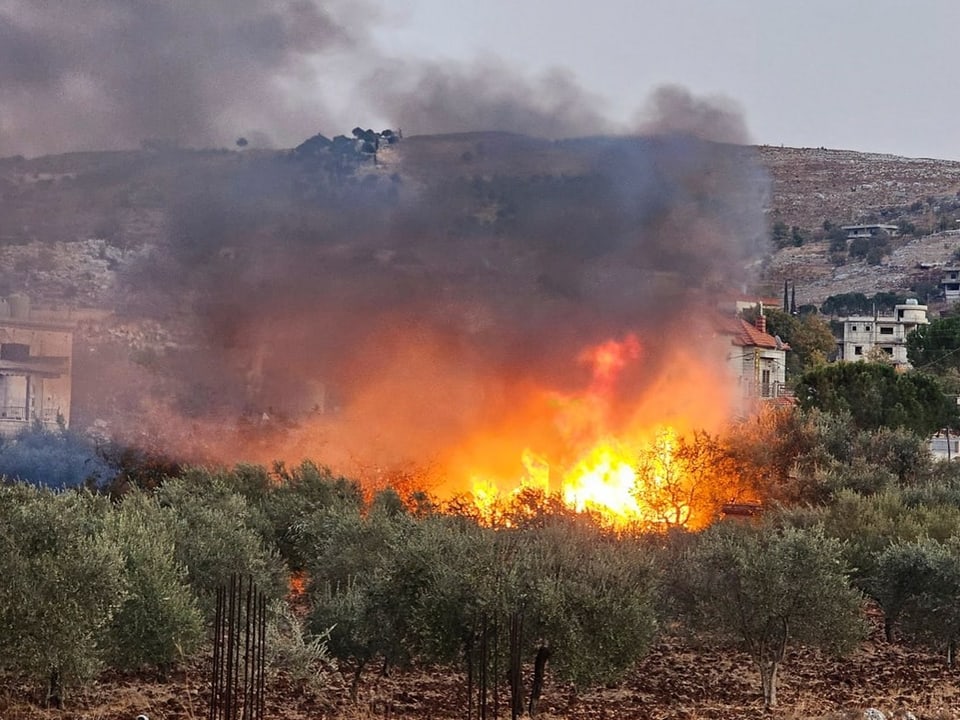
x=810, y=339
x=935, y=346
x=875, y=395
x=766, y=588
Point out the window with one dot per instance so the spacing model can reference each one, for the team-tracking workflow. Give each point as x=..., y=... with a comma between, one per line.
x=887, y=349
x=887, y=330
x=867, y=328
x=858, y=349
x=853, y=328
x=17, y=352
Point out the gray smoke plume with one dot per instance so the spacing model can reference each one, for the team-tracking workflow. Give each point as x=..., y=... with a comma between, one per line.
x=108, y=75
x=102, y=74
x=405, y=301
x=451, y=97
x=674, y=109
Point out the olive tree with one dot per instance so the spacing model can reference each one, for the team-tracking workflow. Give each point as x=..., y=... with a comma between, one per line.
x=918, y=585
x=765, y=588
x=62, y=583
x=586, y=599
x=159, y=620
x=218, y=533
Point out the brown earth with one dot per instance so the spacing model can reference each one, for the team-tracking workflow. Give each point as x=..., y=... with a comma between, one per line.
x=674, y=681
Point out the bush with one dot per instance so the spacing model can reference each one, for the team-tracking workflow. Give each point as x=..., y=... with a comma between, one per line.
x=919, y=586
x=765, y=588
x=53, y=458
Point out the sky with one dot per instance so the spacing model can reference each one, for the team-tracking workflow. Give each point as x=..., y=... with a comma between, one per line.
x=869, y=75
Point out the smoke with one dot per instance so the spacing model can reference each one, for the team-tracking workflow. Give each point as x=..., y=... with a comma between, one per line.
x=103, y=74
x=451, y=97
x=322, y=304
x=106, y=75
x=352, y=312
x=674, y=109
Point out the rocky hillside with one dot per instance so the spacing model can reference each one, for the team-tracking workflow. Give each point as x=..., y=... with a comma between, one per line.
x=69, y=222
x=810, y=185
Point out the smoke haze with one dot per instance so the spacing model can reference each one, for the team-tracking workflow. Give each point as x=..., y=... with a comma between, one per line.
x=103, y=75
x=378, y=312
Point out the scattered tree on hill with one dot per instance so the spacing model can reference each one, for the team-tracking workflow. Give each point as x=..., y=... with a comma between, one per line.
x=837, y=237
x=780, y=234
x=856, y=303
x=767, y=589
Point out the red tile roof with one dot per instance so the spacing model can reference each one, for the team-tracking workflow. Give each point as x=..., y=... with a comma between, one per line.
x=746, y=335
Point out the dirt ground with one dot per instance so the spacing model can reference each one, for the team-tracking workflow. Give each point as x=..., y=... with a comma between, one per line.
x=675, y=681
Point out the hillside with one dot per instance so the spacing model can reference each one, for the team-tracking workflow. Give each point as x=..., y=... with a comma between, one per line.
x=69, y=222
x=216, y=284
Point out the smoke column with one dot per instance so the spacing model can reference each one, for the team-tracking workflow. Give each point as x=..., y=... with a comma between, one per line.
x=402, y=304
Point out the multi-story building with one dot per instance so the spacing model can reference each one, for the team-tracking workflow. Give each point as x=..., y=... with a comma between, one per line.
x=35, y=364
x=882, y=336
x=756, y=359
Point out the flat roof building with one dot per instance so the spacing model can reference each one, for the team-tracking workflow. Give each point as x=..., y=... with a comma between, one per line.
x=36, y=356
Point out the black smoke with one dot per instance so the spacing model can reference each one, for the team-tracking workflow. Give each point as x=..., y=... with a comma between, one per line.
x=451, y=97
x=103, y=74
x=404, y=297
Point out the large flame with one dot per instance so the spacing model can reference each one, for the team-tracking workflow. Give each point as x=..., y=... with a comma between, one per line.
x=621, y=440
x=619, y=465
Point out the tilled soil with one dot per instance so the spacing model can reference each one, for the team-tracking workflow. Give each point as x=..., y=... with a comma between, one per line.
x=674, y=681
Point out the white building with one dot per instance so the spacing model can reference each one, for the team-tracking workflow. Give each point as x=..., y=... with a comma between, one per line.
x=866, y=335
x=950, y=284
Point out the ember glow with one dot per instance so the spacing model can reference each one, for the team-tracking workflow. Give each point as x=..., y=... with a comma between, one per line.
x=596, y=457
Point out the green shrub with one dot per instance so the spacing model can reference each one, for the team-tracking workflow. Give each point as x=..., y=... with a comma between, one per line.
x=218, y=534
x=159, y=621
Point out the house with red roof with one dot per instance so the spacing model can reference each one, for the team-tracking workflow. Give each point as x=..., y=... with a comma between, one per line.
x=757, y=359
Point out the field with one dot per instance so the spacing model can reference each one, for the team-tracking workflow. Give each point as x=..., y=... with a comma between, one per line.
x=674, y=681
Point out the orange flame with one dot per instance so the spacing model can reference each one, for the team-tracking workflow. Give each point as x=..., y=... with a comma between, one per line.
x=624, y=470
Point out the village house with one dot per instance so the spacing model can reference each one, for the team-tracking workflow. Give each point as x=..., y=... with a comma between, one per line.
x=36, y=354
x=869, y=231
x=865, y=336
x=756, y=359
x=950, y=284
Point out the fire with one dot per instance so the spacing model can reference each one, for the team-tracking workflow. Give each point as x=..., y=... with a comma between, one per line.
x=629, y=466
